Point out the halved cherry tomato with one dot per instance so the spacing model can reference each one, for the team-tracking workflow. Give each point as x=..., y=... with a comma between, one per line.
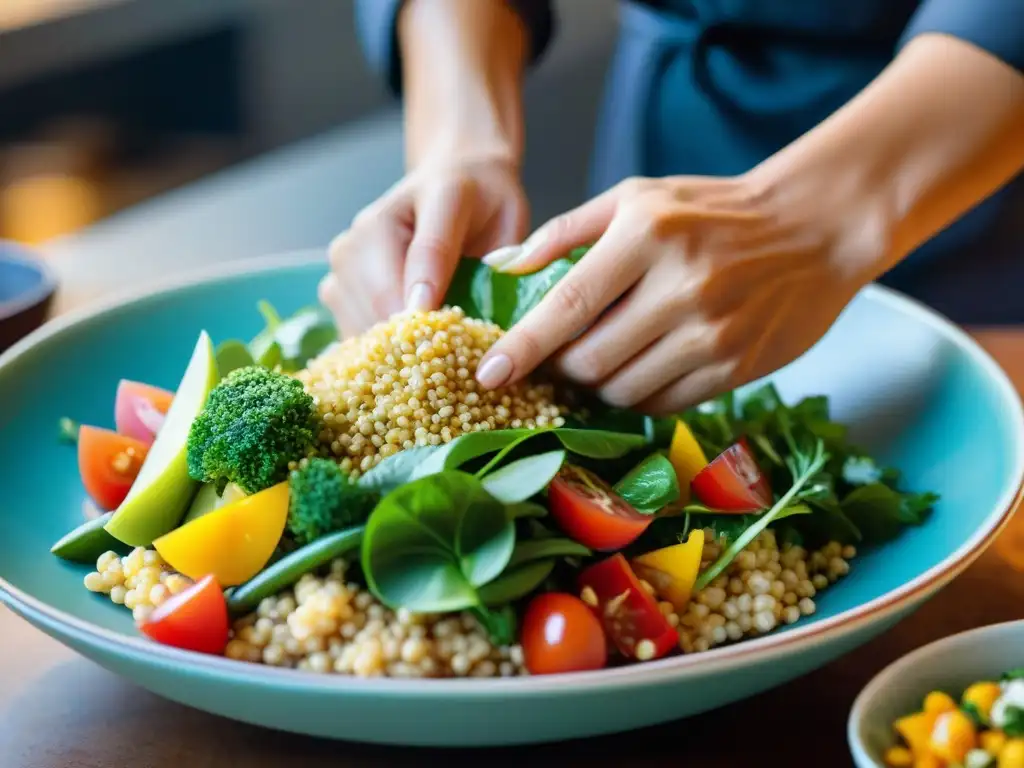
x=733, y=482
x=196, y=619
x=630, y=615
x=108, y=464
x=139, y=409
x=561, y=634
x=589, y=511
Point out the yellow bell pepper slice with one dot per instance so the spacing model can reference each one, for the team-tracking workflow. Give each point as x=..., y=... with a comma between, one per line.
x=916, y=731
x=953, y=736
x=233, y=543
x=686, y=457
x=672, y=570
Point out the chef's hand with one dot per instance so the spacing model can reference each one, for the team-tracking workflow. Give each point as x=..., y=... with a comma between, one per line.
x=402, y=250
x=693, y=286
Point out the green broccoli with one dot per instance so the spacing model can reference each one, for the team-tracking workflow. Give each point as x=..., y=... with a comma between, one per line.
x=254, y=423
x=324, y=500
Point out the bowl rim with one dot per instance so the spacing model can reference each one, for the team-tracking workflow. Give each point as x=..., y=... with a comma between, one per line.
x=884, y=676
x=663, y=671
x=12, y=252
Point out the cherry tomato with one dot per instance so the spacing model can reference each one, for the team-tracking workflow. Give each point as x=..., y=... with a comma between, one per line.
x=139, y=409
x=108, y=464
x=733, y=482
x=630, y=615
x=589, y=511
x=561, y=634
x=195, y=620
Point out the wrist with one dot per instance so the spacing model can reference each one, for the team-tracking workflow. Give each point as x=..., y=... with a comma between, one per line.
x=463, y=63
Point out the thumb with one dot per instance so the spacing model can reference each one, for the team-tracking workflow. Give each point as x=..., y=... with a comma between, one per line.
x=580, y=226
x=442, y=221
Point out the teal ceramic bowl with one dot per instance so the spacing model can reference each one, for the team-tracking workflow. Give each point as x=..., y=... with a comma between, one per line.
x=915, y=389
x=950, y=665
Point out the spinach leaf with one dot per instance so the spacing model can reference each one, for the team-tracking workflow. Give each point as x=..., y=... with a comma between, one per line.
x=1012, y=674
x=432, y=542
x=396, y=470
x=293, y=342
x=231, y=355
x=516, y=583
x=542, y=549
x=525, y=509
x=525, y=478
x=651, y=485
x=595, y=444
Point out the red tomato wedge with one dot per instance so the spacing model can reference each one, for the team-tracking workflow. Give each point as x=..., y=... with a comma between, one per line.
x=195, y=620
x=561, y=634
x=139, y=409
x=733, y=482
x=108, y=464
x=589, y=511
x=630, y=615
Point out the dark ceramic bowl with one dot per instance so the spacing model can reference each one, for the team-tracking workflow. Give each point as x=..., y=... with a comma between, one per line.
x=27, y=286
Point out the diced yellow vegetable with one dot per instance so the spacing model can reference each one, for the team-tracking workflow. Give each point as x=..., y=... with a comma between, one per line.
x=928, y=760
x=899, y=757
x=672, y=570
x=233, y=543
x=993, y=742
x=916, y=731
x=938, y=702
x=982, y=696
x=952, y=736
x=1012, y=754
x=687, y=458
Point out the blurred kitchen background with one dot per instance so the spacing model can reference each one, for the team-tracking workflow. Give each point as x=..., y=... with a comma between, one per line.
x=144, y=137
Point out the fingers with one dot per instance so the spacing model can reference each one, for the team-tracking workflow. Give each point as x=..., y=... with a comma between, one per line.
x=643, y=316
x=579, y=227
x=366, y=268
x=691, y=390
x=611, y=268
x=442, y=221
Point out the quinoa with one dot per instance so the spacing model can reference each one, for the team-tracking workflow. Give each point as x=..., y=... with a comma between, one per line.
x=140, y=581
x=330, y=625
x=411, y=381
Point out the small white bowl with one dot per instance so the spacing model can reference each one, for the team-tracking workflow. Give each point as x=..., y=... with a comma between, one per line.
x=950, y=664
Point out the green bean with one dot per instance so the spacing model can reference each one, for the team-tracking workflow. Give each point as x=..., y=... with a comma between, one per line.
x=290, y=568
x=88, y=541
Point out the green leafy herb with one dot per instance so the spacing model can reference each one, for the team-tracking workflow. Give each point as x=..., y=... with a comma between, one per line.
x=67, y=431
x=1013, y=722
x=651, y=485
x=430, y=544
x=1012, y=674
x=499, y=623
x=971, y=710
x=803, y=468
x=525, y=478
x=525, y=509
x=516, y=582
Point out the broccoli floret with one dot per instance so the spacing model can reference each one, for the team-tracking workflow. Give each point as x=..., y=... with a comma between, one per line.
x=323, y=500
x=254, y=423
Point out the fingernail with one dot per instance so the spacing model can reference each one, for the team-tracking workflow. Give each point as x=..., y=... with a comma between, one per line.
x=498, y=258
x=421, y=297
x=525, y=251
x=494, y=371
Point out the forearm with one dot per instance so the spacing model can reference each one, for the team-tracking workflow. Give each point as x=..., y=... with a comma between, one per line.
x=941, y=129
x=462, y=66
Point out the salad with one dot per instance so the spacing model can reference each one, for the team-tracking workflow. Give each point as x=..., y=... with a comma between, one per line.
x=984, y=729
x=363, y=507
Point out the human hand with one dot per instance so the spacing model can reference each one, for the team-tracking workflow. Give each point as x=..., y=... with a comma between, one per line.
x=402, y=250
x=693, y=285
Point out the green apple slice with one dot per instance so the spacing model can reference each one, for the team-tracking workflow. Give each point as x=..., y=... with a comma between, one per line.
x=207, y=500
x=163, y=490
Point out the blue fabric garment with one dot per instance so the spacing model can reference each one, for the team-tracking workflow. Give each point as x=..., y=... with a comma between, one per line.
x=714, y=87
